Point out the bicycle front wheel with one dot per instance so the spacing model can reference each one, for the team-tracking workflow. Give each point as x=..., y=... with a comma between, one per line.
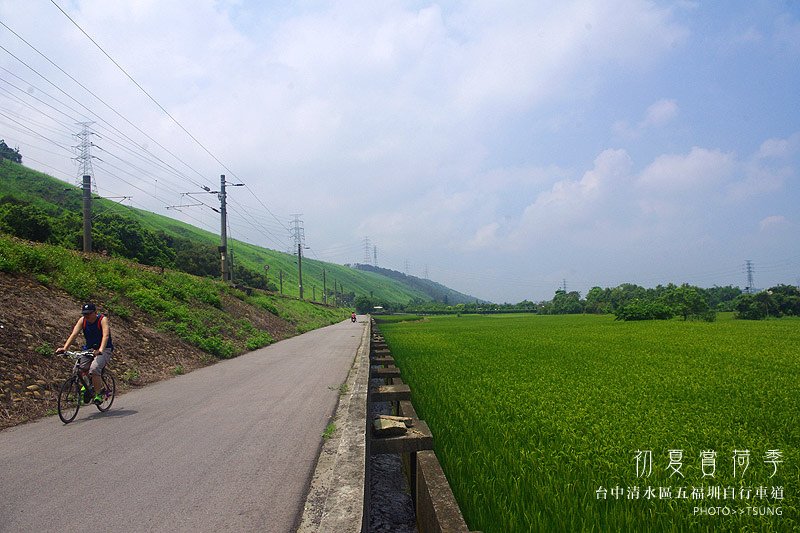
x=69, y=400
x=110, y=388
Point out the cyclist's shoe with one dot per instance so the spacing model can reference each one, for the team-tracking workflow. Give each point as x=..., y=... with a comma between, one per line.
x=98, y=399
x=86, y=395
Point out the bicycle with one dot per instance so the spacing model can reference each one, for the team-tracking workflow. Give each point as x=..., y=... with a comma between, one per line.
x=77, y=390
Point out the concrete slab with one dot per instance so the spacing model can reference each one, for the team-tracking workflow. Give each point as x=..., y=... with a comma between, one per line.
x=390, y=393
x=417, y=438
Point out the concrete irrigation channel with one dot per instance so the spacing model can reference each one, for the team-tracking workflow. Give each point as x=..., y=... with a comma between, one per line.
x=339, y=498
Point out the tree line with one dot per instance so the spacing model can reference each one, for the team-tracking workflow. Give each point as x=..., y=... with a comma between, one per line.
x=629, y=302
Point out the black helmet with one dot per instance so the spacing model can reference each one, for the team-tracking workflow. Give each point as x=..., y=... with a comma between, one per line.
x=88, y=308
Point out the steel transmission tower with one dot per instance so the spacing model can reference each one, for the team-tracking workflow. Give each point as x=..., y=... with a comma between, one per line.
x=375, y=256
x=366, y=250
x=84, y=150
x=748, y=264
x=297, y=234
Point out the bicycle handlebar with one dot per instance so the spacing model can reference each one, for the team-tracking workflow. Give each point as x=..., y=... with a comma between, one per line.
x=77, y=354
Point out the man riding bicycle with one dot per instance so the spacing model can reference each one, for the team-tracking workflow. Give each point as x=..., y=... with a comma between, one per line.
x=97, y=333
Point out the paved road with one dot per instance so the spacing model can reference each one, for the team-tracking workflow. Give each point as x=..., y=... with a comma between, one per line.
x=229, y=447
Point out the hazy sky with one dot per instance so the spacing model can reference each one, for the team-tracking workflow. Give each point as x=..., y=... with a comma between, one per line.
x=506, y=147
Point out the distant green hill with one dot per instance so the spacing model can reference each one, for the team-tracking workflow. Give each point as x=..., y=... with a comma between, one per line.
x=435, y=291
x=61, y=203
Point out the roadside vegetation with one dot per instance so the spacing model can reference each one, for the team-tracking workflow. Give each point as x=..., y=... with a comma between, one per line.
x=188, y=306
x=537, y=419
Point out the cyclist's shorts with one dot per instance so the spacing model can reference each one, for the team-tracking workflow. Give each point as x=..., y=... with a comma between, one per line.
x=100, y=361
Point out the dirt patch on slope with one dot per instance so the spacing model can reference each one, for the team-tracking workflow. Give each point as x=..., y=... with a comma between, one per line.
x=34, y=320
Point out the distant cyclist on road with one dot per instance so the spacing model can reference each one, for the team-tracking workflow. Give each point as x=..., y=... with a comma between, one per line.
x=97, y=333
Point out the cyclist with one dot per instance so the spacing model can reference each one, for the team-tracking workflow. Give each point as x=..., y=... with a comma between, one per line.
x=97, y=333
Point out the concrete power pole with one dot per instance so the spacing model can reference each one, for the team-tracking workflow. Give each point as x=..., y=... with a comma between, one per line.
x=324, y=287
x=300, y=267
x=223, y=247
x=87, y=213
x=226, y=263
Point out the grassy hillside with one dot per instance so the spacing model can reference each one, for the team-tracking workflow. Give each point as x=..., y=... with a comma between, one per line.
x=434, y=290
x=56, y=197
x=200, y=311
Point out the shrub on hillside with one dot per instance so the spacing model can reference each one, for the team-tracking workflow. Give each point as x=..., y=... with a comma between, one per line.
x=25, y=221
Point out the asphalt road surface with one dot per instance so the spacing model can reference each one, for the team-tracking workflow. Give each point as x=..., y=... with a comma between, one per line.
x=230, y=447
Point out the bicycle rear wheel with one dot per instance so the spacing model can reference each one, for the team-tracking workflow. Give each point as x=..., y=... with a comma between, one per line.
x=69, y=400
x=110, y=386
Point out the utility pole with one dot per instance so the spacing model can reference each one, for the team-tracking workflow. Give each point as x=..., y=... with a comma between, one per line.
x=300, y=267
x=223, y=248
x=749, y=266
x=324, y=288
x=313, y=293
x=225, y=260
x=281, y=278
x=87, y=213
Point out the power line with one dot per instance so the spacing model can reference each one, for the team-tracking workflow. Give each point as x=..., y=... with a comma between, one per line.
x=149, y=96
x=91, y=93
x=143, y=90
x=36, y=133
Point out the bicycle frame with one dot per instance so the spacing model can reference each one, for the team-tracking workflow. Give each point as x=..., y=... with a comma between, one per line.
x=78, y=386
x=77, y=370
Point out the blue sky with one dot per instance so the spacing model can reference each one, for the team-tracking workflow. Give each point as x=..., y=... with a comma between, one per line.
x=506, y=147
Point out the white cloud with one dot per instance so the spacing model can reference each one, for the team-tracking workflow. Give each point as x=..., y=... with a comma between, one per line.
x=531, y=55
x=660, y=113
x=485, y=237
x=657, y=115
x=696, y=172
x=779, y=148
x=759, y=181
x=772, y=221
x=571, y=203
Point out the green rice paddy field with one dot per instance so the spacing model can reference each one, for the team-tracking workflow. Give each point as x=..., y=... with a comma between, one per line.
x=538, y=420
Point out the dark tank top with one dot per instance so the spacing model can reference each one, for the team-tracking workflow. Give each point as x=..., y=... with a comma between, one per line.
x=94, y=334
